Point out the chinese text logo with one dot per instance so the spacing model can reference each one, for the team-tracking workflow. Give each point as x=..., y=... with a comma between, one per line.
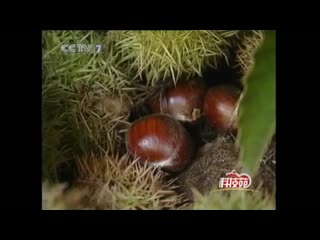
x=80, y=48
x=233, y=180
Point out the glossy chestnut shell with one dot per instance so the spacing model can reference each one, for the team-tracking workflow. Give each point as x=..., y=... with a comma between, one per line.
x=161, y=141
x=184, y=102
x=219, y=107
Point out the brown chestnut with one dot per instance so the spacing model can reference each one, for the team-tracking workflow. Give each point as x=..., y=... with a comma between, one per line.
x=161, y=141
x=219, y=108
x=184, y=102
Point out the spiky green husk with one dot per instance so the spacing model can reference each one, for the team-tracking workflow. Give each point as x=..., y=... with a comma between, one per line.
x=247, y=45
x=72, y=68
x=101, y=118
x=69, y=125
x=56, y=197
x=120, y=183
x=58, y=134
x=158, y=55
x=81, y=119
x=235, y=200
x=75, y=85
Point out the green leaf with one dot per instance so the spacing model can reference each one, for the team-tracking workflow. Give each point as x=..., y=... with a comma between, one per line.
x=257, y=108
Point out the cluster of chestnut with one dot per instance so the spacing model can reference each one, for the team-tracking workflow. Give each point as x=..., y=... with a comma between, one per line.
x=162, y=140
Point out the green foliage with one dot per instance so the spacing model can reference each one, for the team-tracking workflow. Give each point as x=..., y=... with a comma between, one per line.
x=257, y=108
x=158, y=55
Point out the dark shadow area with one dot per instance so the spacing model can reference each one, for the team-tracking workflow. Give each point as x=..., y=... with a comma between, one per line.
x=225, y=73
